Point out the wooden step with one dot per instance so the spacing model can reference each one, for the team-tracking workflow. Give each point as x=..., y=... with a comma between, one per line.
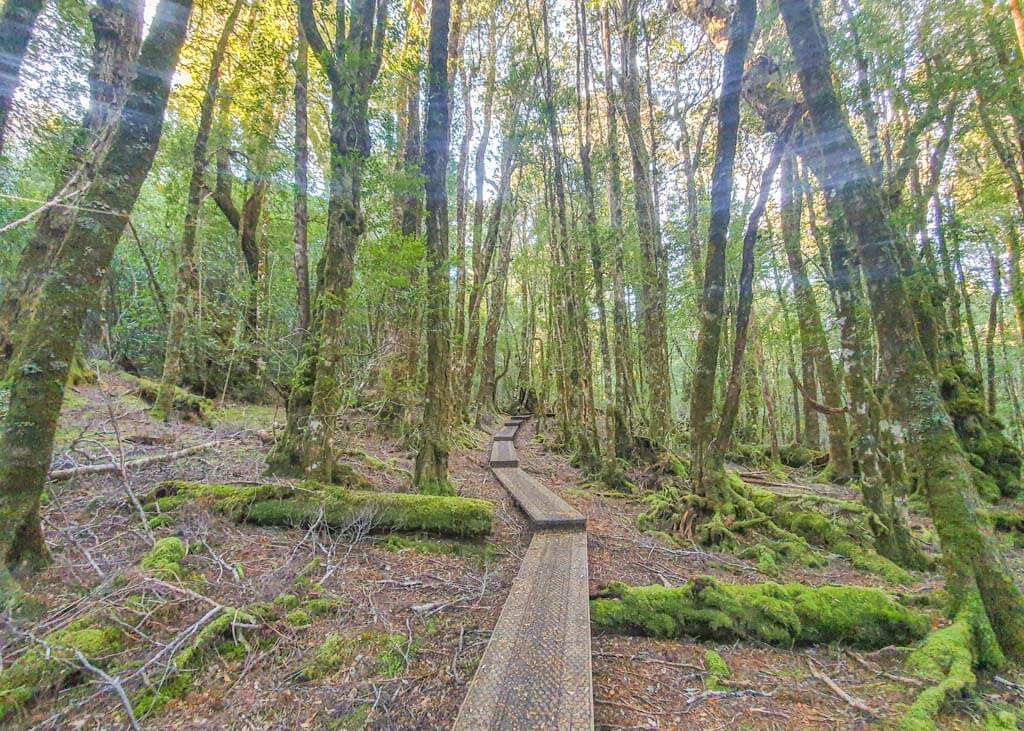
x=519, y=418
x=503, y=454
x=535, y=672
x=506, y=433
x=544, y=509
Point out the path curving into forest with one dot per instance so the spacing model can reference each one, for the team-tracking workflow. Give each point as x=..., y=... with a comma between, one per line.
x=535, y=672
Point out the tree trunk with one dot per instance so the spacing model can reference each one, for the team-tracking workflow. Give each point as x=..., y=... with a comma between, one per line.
x=188, y=276
x=812, y=333
x=974, y=568
x=431, y=474
x=654, y=259
x=117, y=32
x=990, y=336
x=48, y=340
x=706, y=466
x=486, y=394
x=301, y=215
x=307, y=445
x=17, y=24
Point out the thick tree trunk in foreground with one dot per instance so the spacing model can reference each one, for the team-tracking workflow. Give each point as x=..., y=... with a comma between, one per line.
x=117, y=33
x=188, y=276
x=974, y=567
x=431, y=474
x=705, y=464
x=49, y=339
x=17, y=23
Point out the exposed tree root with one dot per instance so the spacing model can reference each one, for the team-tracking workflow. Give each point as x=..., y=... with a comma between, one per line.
x=779, y=614
x=310, y=503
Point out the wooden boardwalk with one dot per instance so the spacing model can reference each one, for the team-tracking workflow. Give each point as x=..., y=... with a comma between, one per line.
x=535, y=672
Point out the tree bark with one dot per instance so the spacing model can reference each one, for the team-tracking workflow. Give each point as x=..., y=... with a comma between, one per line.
x=188, y=276
x=49, y=338
x=990, y=336
x=431, y=475
x=975, y=570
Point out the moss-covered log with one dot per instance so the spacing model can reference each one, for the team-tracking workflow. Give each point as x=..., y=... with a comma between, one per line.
x=184, y=403
x=312, y=502
x=779, y=614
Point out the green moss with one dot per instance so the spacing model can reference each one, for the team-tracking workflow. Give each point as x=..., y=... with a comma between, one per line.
x=395, y=652
x=38, y=671
x=336, y=652
x=288, y=601
x=334, y=506
x=797, y=455
x=298, y=618
x=948, y=657
x=981, y=434
x=397, y=543
x=784, y=615
x=717, y=670
x=185, y=403
x=178, y=680
x=164, y=559
x=354, y=720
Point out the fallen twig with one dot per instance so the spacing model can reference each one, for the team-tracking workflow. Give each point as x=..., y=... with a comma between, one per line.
x=834, y=687
x=114, y=683
x=107, y=467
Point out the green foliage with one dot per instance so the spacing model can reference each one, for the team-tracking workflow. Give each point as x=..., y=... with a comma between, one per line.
x=392, y=651
x=797, y=455
x=779, y=614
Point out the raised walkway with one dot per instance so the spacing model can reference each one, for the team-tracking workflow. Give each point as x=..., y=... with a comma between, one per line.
x=535, y=672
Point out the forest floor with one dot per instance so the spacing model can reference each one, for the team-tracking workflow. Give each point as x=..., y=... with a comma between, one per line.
x=416, y=613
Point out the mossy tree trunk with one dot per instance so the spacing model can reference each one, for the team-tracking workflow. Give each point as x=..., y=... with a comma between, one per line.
x=431, y=475
x=486, y=395
x=188, y=276
x=117, y=32
x=706, y=463
x=48, y=340
x=307, y=445
x=974, y=567
x=301, y=214
x=814, y=343
x=625, y=389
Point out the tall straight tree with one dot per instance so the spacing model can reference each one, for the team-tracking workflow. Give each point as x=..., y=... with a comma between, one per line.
x=48, y=340
x=351, y=64
x=188, y=275
x=300, y=258
x=977, y=578
x=654, y=259
x=431, y=474
x=706, y=464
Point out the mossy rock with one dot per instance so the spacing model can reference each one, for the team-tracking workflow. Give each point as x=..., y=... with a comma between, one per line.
x=334, y=506
x=981, y=434
x=779, y=614
x=37, y=671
